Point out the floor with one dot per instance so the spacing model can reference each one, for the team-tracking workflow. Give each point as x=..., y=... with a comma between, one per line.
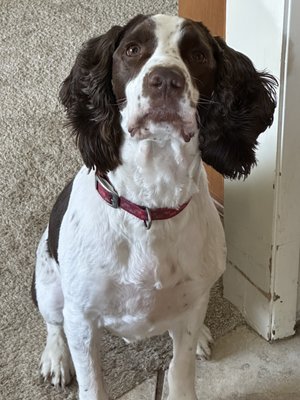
x=243, y=367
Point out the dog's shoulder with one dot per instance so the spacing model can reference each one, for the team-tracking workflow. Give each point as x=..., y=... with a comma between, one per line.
x=56, y=216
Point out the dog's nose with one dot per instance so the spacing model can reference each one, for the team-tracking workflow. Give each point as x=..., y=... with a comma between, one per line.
x=164, y=81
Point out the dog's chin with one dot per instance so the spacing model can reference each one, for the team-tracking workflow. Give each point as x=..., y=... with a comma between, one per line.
x=150, y=129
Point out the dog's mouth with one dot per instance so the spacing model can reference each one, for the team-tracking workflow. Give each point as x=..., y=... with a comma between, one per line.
x=163, y=121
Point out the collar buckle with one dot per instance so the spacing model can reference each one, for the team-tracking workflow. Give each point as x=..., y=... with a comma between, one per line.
x=115, y=199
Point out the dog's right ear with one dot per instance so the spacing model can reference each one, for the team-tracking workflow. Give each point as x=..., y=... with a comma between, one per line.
x=90, y=103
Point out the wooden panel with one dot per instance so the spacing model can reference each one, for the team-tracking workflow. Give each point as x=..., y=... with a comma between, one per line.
x=213, y=14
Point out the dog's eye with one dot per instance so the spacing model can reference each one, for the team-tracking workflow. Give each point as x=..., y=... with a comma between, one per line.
x=198, y=57
x=133, y=50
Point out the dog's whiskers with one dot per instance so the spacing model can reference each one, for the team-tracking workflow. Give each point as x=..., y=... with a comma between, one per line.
x=119, y=102
x=204, y=101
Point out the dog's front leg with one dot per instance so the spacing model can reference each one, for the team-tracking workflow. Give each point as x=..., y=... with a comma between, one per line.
x=83, y=342
x=181, y=375
x=185, y=335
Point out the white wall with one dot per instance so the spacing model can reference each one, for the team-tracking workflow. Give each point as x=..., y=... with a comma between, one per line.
x=262, y=220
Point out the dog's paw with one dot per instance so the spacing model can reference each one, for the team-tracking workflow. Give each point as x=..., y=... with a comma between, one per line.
x=56, y=363
x=204, y=344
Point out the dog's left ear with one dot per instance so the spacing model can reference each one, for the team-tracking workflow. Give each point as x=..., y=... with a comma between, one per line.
x=90, y=103
x=242, y=106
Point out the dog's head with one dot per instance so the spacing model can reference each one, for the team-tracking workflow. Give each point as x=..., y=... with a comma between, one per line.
x=167, y=77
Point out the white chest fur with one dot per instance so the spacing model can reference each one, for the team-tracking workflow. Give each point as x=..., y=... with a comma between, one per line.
x=131, y=280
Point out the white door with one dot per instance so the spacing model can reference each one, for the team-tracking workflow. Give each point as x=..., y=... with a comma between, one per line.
x=262, y=214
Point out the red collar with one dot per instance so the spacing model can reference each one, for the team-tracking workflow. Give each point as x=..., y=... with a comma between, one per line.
x=109, y=194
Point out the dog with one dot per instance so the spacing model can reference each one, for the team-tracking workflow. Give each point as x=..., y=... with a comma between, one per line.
x=134, y=242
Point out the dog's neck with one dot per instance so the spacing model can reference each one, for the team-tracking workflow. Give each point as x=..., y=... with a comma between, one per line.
x=158, y=173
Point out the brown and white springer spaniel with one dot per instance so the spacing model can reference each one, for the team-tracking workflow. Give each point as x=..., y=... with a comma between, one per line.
x=134, y=242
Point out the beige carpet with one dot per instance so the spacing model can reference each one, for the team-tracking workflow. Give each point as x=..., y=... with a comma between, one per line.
x=38, y=43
